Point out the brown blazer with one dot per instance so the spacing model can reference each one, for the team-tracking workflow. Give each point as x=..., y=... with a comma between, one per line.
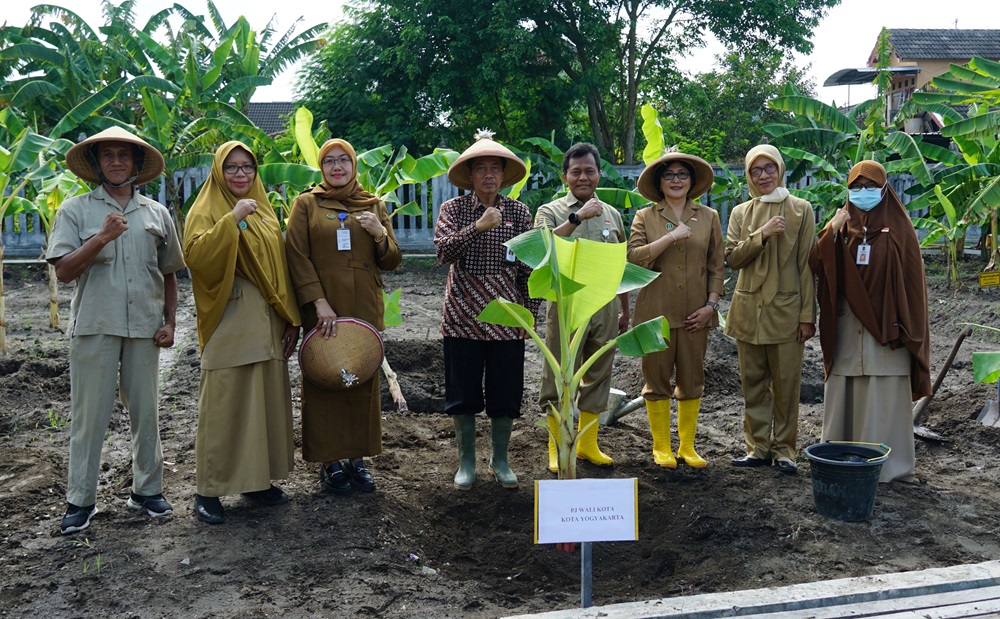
x=689, y=269
x=349, y=280
x=752, y=317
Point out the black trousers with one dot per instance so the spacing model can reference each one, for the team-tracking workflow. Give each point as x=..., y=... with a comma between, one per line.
x=465, y=363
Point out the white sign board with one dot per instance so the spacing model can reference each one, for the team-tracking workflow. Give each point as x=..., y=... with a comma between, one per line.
x=586, y=510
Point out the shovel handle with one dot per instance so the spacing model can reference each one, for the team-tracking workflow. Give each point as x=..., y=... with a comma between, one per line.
x=921, y=406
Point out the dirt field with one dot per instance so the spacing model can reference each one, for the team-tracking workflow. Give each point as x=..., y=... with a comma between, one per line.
x=418, y=548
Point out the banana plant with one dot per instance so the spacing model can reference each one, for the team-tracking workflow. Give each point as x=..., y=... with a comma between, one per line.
x=971, y=178
x=581, y=277
x=951, y=228
x=25, y=158
x=51, y=195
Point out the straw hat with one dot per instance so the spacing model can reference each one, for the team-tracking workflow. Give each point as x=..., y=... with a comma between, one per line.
x=484, y=146
x=347, y=360
x=649, y=180
x=82, y=165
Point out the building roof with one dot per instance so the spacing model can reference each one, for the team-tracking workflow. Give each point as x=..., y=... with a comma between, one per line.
x=944, y=43
x=272, y=117
x=865, y=75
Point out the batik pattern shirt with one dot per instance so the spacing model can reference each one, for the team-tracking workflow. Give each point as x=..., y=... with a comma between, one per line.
x=482, y=269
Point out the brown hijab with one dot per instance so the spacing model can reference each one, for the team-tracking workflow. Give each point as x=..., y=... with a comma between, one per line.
x=889, y=294
x=351, y=195
x=258, y=253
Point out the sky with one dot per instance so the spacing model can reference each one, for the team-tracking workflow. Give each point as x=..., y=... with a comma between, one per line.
x=844, y=38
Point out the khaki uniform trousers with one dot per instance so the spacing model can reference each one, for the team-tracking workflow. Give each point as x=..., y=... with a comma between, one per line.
x=684, y=360
x=772, y=379
x=99, y=365
x=596, y=384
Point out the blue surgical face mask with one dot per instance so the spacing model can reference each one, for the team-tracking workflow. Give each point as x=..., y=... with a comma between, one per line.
x=866, y=199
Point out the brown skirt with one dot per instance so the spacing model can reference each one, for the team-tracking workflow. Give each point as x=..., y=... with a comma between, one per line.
x=341, y=424
x=244, y=428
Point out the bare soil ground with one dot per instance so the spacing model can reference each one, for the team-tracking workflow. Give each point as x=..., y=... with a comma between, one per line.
x=418, y=548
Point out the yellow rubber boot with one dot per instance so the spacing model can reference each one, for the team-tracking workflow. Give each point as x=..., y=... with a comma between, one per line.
x=658, y=412
x=586, y=448
x=553, y=454
x=687, y=423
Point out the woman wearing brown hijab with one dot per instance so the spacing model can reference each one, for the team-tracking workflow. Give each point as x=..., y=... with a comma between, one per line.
x=683, y=242
x=338, y=240
x=873, y=320
x=247, y=328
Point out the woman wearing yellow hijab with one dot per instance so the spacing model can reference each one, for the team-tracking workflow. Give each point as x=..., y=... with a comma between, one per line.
x=339, y=241
x=248, y=324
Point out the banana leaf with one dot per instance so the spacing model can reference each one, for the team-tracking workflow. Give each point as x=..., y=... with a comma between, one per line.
x=986, y=367
x=653, y=132
x=303, y=121
x=650, y=336
x=816, y=110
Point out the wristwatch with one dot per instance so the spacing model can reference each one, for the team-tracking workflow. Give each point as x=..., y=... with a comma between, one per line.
x=713, y=305
x=574, y=219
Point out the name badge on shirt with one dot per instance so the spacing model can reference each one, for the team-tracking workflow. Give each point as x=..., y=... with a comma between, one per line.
x=344, y=239
x=864, y=253
x=509, y=255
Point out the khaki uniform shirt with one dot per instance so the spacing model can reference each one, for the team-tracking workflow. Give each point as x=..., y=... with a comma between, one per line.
x=121, y=292
x=752, y=318
x=690, y=269
x=606, y=228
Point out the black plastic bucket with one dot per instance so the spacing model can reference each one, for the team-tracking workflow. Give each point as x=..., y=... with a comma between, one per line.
x=845, y=478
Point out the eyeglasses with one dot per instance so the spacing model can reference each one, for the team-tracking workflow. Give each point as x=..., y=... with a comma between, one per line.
x=869, y=185
x=247, y=169
x=770, y=168
x=342, y=161
x=681, y=176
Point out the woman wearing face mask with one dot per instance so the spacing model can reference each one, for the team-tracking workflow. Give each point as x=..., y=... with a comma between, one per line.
x=873, y=320
x=339, y=241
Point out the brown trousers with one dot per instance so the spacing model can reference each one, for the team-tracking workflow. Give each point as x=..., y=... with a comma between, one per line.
x=772, y=378
x=684, y=360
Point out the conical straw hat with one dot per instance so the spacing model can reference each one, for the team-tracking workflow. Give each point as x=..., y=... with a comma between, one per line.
x=461, y=176
x=81, y=165
x=649, y=180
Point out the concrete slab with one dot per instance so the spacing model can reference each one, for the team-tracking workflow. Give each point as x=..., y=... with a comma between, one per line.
x=939, y=593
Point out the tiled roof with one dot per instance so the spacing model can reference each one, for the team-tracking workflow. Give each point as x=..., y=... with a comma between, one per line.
x=272, y=117
x=944, y=44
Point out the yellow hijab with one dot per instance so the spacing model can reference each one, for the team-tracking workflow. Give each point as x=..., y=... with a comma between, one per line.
x=257, y=255
x=351, y=195
x=764, y=272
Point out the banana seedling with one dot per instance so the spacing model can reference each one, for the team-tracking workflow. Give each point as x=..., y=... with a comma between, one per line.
x=581, y=276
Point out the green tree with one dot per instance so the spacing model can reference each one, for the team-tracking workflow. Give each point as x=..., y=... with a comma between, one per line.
x=425, y=74
x=721, y=114
x=608, y=47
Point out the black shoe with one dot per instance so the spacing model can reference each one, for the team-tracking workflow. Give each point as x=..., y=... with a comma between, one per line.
x=154, y=505
x=751, y=461
x=787, y=467
x=77, y=518
x=335, y=479
x=270, y=497
x=361, y=477
x=208, y=509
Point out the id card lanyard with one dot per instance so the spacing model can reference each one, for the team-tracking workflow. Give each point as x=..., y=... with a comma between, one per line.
x=343, y=234
x=864, y=249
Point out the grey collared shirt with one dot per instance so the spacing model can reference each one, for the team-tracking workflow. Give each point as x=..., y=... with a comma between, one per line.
x=121, y=292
